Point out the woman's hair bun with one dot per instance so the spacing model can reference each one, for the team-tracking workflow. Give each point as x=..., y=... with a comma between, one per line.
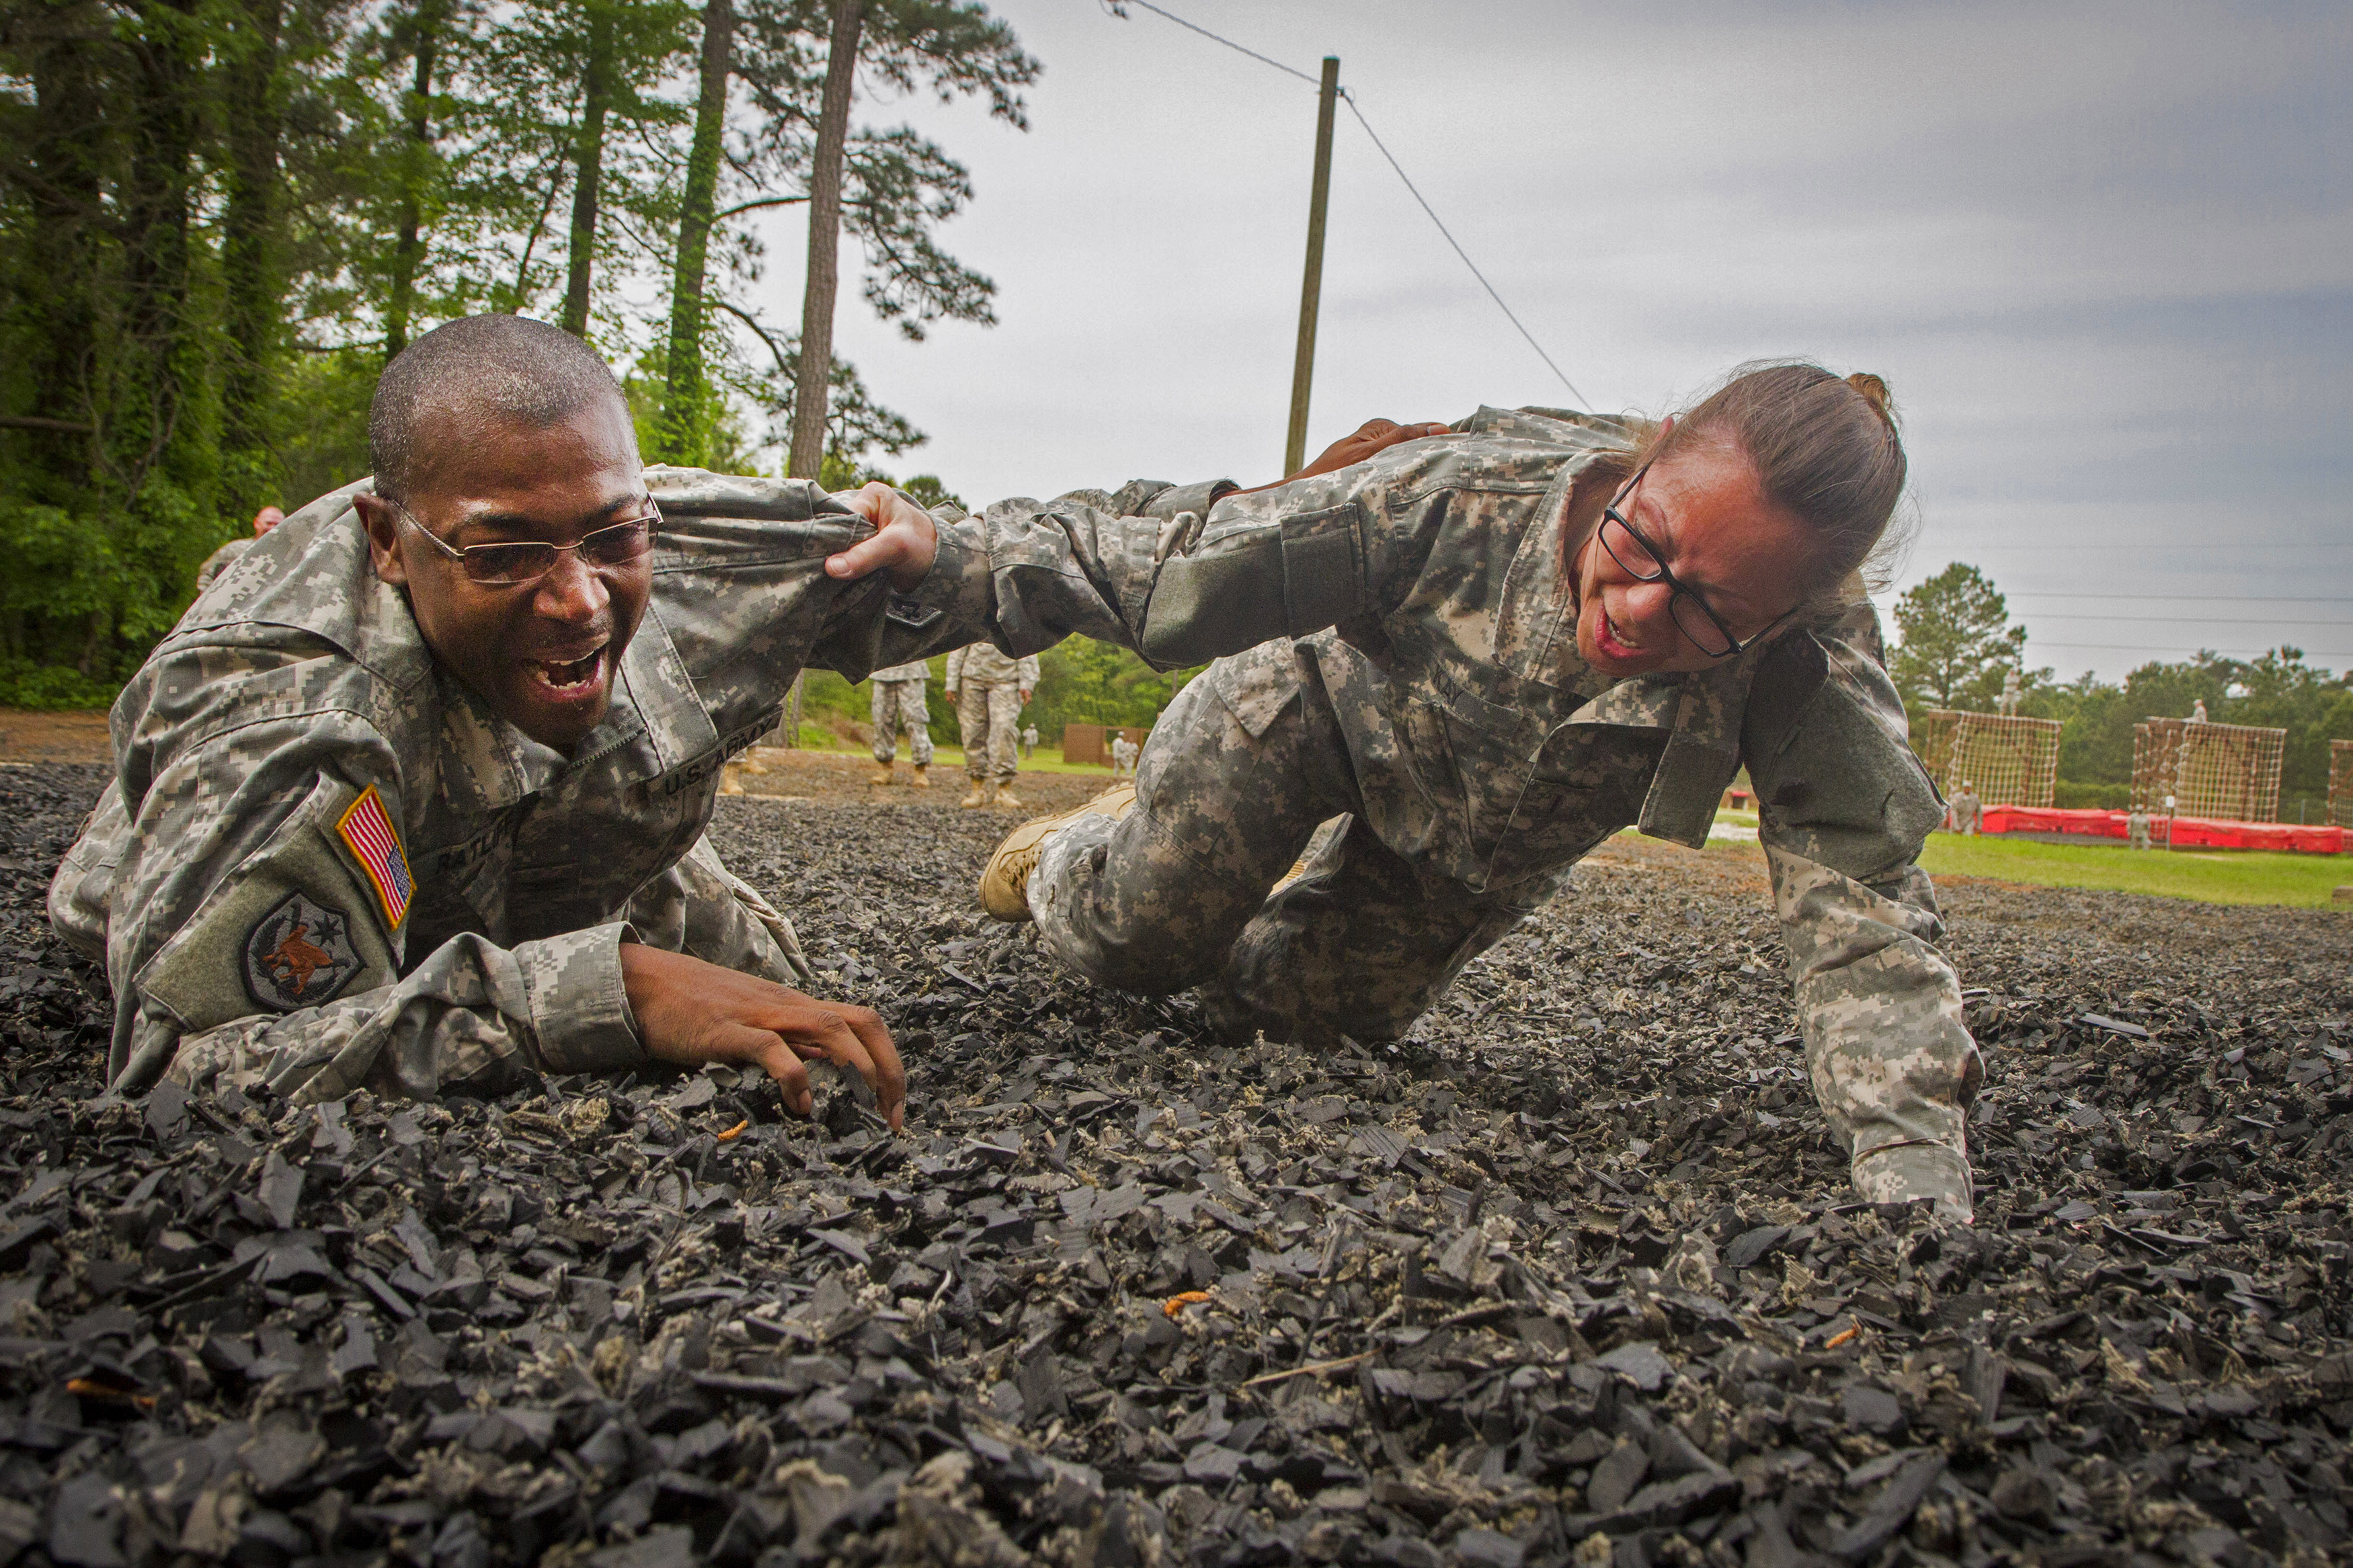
x=1874, y=392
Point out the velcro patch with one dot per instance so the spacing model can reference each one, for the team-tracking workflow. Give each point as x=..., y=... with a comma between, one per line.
x=367, y=832
x=300, y=955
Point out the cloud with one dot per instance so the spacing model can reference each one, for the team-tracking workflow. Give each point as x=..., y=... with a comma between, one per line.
x=2104, y=253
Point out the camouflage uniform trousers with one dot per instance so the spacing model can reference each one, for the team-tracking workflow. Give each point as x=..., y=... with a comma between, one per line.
x=1176, y=894
x=989, y=717
x=1180, y=893
x=898, y=703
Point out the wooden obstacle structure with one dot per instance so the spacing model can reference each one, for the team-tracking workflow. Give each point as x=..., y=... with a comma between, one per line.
x=2010, y=761
x=2340, y=782
x=2224, y=771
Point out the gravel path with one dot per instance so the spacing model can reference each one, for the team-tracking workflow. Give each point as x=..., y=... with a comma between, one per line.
x=1571, y=1275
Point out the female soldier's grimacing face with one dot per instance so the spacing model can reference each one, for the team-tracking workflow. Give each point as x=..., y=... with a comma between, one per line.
x=1703, y=511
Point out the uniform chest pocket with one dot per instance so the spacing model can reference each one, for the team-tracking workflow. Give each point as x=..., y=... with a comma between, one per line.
x=1587, y=787
x=578, y=862
x=1472, y=759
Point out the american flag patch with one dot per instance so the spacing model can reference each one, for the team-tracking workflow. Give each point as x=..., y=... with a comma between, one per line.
x=367, y=831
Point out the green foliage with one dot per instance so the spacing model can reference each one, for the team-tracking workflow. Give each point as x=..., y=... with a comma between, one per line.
x=217, y=220
x=1957, y=640
x=1085, y=681
x=2277, y=691
x=52, y=688
x=1080, y=680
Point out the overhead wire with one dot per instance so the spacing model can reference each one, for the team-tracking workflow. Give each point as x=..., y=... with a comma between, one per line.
x=2195, y=620
x=2175, y=649
x=1347, y=96
x=2202, y=597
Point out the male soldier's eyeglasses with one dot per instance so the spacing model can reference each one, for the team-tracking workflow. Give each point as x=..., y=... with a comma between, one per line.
x=1643, y=562
x=499, y=565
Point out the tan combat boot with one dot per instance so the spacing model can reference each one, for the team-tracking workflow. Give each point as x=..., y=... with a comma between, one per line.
x=884, y=774
x=1005, y=795
x=923, y=778
x=1005, y=882
x=982, y=790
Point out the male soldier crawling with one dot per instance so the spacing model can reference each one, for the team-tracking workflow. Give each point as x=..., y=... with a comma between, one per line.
x=416, y=797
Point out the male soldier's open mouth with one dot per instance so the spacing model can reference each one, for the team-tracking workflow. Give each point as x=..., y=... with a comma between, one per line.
x=576, y=678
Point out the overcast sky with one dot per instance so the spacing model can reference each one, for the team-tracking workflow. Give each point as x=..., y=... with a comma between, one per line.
x=2102, y=254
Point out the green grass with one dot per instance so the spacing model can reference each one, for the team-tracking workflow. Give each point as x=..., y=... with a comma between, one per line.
x=2213, y=877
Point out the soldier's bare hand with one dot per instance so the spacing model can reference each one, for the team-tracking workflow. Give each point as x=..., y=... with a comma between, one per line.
x=1374, y=435
x=906, y=541
x=693, y=1013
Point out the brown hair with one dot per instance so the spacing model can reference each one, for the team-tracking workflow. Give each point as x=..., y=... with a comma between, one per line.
x=1825, y=449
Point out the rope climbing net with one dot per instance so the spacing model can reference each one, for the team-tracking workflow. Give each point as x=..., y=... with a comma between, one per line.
x=2010, y=762
x=2227, y=772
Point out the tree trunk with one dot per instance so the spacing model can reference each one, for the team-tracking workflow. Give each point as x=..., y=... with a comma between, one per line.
x=408, y=249
x=158, y=441
x=59, y=270
x=809, y=385
x=251, y=301
x=685, y=413
x=590, y=161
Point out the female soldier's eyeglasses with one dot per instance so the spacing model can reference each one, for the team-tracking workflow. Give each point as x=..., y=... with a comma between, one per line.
x=494, y=565
x=1641, y=561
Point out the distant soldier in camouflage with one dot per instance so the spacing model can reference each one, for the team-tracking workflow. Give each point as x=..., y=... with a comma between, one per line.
x=1028, y=742
x=1491, y=651
x=2136, y=828
x=898, y=703
x=989, y=690
x=1967, y=812
x=1124, y=753
x=230, y=554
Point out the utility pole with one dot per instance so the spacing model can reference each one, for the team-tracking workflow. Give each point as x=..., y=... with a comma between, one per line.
x=1303, y=368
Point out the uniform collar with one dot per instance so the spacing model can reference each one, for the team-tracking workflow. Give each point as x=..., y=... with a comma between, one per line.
x=656, y=723
x=1536, y=618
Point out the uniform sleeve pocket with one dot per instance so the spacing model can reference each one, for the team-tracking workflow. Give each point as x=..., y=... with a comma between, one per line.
x=292, y=927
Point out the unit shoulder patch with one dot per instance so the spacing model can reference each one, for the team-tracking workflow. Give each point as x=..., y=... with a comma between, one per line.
x=300, y=955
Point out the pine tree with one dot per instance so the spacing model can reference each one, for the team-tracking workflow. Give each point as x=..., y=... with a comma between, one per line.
x=1956, y=642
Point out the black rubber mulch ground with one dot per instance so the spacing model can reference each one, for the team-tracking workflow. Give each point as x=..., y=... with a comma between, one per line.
x=1572, y=1276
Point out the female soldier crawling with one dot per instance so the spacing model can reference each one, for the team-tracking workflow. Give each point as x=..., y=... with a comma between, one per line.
x=1490, y=650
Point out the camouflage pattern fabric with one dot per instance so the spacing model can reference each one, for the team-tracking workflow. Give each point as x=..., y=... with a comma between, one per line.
x=1446, y=713
x=1967, y=811
x=218, y=562
x=897, y=702
x=245, y=924
x=986, y=715
x=986, y=686
x=983, y=665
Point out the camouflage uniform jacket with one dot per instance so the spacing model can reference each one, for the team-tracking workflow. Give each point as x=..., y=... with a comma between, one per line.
x=902, y=674
x=981, y=665
x=323, y=855
x=219, y=562
x=1486, y=750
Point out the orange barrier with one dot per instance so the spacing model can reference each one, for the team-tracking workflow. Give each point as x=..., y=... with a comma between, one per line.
x=2188, y=832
